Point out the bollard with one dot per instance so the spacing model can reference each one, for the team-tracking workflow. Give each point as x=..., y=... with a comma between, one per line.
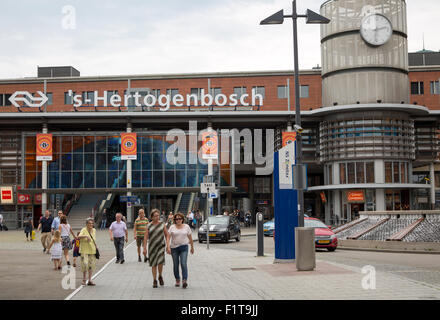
x=305, y=249
x=260, y=235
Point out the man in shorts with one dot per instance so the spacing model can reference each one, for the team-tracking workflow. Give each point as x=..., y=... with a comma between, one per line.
x=140, y=227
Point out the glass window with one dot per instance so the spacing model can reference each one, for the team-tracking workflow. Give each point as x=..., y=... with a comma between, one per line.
x=360, y=172
x=396, y=173
x=259, y=90
x=66, y=179
x=351, y=172
x=89, y=180
x=172, y=92
x=136, y=179
x=402, y=173
x=330, y=174
x=49, y=96
x=417, y=88
x=146, y=179
x=388, y=172
x=197, y=92
x=89, y=144
x=304, y=91
x=78, y=145
x=215, y=91
x=101, y=178
x=78, y=162
x=282, y=92
x=157, y=179
x=239, y=91
x=342, y=174
x=89, y=162
x=370, y=172
x=435, y=87
x=68, y=99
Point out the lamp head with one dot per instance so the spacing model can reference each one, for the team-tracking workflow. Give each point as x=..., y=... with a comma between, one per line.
x=276, y=18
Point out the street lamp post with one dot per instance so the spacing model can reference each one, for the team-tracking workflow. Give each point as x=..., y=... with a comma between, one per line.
x=311, y=18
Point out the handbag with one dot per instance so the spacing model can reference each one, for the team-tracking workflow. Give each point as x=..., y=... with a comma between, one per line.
x=97, y=251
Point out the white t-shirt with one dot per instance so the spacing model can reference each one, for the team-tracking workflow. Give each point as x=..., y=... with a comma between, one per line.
x=179, y=237
x=65, y=230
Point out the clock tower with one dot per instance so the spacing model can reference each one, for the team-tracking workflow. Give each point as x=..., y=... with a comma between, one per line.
x=364, y=52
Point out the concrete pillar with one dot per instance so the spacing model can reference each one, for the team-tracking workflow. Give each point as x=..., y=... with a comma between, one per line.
x=44, y=180
x=337, y=204
x=129, y=184
x=380, y=200
x=432, y=179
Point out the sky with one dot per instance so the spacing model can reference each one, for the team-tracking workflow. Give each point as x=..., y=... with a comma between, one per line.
x=121, y=37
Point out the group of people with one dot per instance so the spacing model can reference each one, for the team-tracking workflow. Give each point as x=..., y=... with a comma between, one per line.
x=173, y=237
x=245, y=218
x=56, y=241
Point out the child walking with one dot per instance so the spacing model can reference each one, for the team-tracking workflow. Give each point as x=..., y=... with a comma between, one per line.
x=57, y=250
x=75, y=244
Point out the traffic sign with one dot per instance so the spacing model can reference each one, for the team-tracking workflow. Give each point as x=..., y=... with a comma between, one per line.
x=207, y=187
x=213, y=194
x=128, y=198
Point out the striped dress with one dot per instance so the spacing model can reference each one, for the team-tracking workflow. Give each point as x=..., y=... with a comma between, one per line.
x=156, y=244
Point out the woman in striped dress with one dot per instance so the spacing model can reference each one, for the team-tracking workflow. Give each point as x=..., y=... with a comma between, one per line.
x=156, y=234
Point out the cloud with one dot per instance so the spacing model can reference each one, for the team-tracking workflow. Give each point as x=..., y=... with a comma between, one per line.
x=173, y=36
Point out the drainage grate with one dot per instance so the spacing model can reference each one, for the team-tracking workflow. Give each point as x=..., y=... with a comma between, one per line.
x=242, y=269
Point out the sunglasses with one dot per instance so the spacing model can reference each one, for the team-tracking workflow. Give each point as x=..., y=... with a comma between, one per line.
x=178, y=219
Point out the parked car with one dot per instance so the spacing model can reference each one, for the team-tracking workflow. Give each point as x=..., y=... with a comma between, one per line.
x=222, y=228
x=324, y=237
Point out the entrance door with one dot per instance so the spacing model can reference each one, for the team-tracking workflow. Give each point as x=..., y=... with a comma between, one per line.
x=355, y=209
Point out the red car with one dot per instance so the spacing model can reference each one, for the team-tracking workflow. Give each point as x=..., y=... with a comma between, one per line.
x=324, y=237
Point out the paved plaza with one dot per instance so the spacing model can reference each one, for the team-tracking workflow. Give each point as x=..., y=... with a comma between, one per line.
x=225, y=274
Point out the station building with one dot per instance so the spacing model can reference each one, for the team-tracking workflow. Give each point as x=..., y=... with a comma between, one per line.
x=370, y=116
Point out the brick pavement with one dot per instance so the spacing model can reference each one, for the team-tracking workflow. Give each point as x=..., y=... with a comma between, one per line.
x=225, y=274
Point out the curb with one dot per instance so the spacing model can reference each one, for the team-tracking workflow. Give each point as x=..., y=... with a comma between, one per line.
x=388, y=250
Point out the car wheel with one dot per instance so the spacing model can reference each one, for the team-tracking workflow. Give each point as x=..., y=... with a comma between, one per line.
x=238, y=237
x=228, y=236
x=331, y=249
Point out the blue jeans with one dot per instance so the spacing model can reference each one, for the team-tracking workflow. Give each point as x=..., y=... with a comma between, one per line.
x=119, y=246
x=103, y=224
x=180, y=253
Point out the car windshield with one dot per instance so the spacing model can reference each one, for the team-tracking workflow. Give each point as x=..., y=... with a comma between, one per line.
x=310, y=223
x=218, y=220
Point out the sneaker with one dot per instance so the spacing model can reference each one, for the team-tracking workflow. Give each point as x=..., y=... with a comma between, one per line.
x=117, y=261
x=139, y=259
x=44, y=250
x=68, y=263
x=122, y=261
x=145, y=259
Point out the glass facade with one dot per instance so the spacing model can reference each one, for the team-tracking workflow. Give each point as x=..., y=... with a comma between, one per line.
x=94, y=161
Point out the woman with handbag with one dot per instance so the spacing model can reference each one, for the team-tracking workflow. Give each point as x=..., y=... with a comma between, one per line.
x=88, y=250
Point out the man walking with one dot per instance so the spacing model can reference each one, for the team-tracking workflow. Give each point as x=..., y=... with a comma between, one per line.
x=45, y=226
x=56, y=222
x=117, y=231
x=104, y=219
x=140, y=226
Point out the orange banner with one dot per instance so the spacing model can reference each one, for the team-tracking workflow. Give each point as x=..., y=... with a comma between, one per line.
x=355, y=196
x=323, y=198
x=288, y=137
x=209, y=145
x=128, y=146
x=44, y=147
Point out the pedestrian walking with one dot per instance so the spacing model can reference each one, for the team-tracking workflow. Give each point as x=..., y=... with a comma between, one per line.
x=190, y=219
x=66, y=231
x=28, y=228
x=87, y=249
x=118, y=229
x=104, y=219
x=56, y=221
x=156, y=234
x=56, y=252
x=170, y=219
x=178, y=238
x=45, y=226
x=140, y=227
x=75, y=245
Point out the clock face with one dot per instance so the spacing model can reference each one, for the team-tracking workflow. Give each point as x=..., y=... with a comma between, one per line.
x=376, y=29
